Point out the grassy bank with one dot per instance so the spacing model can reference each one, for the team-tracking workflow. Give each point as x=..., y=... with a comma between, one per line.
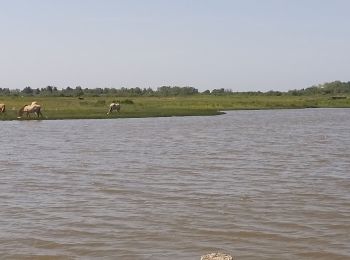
x=97, y=107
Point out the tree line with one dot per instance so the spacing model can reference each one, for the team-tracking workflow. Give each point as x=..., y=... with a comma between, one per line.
x=331, y=88
x=79, y=91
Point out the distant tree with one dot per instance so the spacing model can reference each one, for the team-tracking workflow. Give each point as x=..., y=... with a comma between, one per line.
x=175, y=91
x=164, y=91
x=147, y=92
x=49, y=89
x=37, y=91
x=68, y=92
x=218, y=91
x=27, y=91
x=5, y=91
x=78, y=91
x=188, y=91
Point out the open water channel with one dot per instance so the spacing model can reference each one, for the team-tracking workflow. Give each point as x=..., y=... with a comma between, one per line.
x=269, y=184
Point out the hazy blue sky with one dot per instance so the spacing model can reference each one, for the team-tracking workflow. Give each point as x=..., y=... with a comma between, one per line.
x=236, y=44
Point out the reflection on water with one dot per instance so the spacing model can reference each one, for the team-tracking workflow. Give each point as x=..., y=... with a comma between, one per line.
x=257, y=184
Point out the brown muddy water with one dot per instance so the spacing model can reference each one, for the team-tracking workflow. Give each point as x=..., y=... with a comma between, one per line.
x=257, y=184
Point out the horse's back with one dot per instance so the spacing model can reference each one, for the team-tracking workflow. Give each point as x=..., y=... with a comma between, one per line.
x=33, y=108
x=113, y=106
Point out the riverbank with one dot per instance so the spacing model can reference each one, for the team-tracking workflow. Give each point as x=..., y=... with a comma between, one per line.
x=136, y=107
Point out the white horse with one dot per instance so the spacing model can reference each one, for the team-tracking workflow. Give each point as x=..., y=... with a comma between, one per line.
x=29, y=109
x=2, y=108
x=113, y=106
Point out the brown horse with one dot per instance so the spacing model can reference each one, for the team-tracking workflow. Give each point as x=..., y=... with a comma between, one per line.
x=113, y=106
x=29, y=109
x=2, y=108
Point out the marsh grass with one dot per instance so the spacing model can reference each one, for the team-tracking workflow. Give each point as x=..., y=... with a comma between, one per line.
x=97, y=107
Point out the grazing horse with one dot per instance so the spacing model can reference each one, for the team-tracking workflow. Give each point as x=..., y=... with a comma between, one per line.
x=112, y=107
x=33, y=108
x=2, y=108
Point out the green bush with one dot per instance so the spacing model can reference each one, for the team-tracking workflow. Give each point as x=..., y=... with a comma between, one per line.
x=127, y=101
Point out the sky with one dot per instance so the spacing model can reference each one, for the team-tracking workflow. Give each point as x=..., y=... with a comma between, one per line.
x=242, y=45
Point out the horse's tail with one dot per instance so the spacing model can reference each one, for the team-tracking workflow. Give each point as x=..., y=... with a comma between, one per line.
x=21, y=110
x=3, y=109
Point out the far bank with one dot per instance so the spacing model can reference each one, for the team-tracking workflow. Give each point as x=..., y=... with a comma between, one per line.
x=137, y=107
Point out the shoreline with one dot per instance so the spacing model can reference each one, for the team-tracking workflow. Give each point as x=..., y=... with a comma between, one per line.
x=114, y=117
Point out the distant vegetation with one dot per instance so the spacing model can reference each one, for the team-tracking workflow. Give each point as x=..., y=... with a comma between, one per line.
x=51, y=91
x=80, y=103
x=332, y=88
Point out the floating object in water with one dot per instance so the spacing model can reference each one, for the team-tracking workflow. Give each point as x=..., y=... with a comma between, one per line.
x=216, y=256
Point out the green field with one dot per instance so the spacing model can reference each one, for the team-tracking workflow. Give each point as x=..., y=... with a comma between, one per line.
x=133, y=107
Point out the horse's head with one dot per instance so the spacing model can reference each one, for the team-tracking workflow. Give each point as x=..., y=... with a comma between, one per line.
x=21, y=110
